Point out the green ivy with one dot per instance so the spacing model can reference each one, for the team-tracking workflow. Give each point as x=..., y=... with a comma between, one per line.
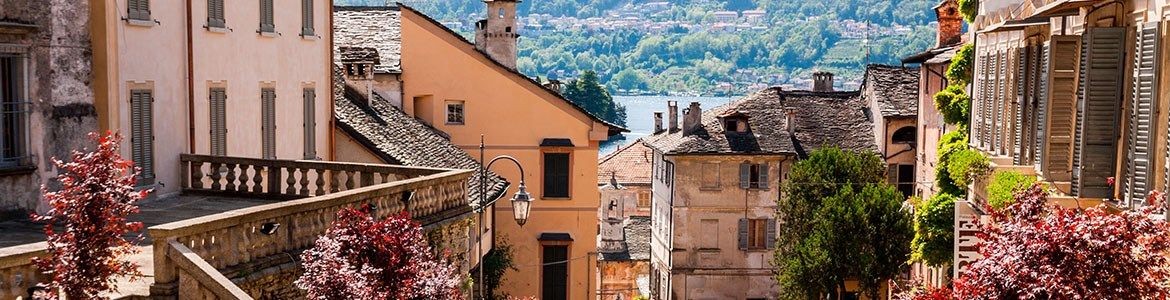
x=969, y=9
x=497, y=262
x=950, y=142
x=966, y=165
x=1004, y=185
x=934, y=235
x=954, y=104
x=960, y=71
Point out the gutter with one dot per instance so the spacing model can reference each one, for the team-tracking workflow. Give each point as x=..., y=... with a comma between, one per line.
x=190, y=85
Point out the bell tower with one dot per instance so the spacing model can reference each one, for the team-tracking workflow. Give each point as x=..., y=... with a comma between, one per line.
x=496, y=35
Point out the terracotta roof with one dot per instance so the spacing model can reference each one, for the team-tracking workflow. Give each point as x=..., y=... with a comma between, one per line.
x=822, y=119
x=398, y=138
x=893, y=89
x=376, y=27
x=636, y=237
x=630, y=164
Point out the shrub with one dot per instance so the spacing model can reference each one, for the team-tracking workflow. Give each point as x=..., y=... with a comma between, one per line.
x=1004, y=185
x=934, y=226
x=969, y=9
x=954, y=105
x=949, y=143
x=959, y=72
x=965, y=165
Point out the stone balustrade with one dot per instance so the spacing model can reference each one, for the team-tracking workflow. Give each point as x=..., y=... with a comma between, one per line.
x=17, y=273
x=284, y=179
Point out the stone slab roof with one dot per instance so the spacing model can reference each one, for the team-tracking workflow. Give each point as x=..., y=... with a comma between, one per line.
x=376, y=27
x=821, y=119
x=630, y=164
x=636, y=234
x=401, y=139
x=893, y=89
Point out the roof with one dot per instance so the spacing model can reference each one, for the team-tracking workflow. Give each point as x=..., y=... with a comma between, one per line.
x=397, y=138
x=821, y=119
x=893, y=89
x=380, y=27
x=929, y=54
x=943, y=57
x=629, y=164
x=636, y=237
x=376, y=27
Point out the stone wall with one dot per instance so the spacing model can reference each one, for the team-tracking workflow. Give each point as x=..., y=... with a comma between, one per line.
x=624, y=279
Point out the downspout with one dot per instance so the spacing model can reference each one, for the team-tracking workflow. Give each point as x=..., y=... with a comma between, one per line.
x=332, y=140
x=190, y=85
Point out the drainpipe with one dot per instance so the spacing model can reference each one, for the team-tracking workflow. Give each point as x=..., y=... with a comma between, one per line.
x=331, y=140
x=190, y=85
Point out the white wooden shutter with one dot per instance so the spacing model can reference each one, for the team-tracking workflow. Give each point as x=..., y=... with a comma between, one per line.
x=142, y=134
x=266, y=18
x=743, y=234
x=268, y=121
x=1061, y=107
x=307, y=18
x=310, y=111
x=745, y=175
x=215, y=16
x=1142, y=116
x=979, y=101
x=1100, y=109
x=995, y=122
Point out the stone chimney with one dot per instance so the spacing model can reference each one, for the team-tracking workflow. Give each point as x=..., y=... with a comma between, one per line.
x=496, y=35
x=822, y=82
x=657, y=122
x=950, y=23
x=672, y=114
x=790, y=120
x=692, y=118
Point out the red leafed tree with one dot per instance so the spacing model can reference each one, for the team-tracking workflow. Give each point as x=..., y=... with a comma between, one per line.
x=362, y=258
x=1037, y=250
x=97, y=194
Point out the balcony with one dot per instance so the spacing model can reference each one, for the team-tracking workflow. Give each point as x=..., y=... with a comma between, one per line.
x=239, y=227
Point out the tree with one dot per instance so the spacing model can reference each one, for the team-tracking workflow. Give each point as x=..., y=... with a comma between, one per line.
x=362, y=258
x=588, y=93
x=97, y=195
x=1037, y=250
x=934, y=230
x=842, y=222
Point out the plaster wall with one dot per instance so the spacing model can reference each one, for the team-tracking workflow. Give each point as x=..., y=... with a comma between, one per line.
x=930, y=128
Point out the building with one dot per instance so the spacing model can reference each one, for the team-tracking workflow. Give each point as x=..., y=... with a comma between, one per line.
x=890, y=94
x=47, y=103
x=624, y=216
x=467, y=90
x=625, y=271
x=716, y=181
x=726, y=16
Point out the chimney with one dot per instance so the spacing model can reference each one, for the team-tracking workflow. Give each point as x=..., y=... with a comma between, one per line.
x=672, y=111
x=496, y=35
x=692, y=117
x=790, y=120
x=950, y=23
x=822, y=82
x=657, y=122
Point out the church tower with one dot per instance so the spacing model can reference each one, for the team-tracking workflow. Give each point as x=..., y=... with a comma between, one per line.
x=496, y=35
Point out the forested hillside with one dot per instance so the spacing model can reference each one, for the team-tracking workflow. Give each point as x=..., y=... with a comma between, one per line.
x=795, y=38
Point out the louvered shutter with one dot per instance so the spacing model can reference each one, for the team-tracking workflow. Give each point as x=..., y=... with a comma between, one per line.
x=770, y=239
x=745, y=175
x=978, y=101
x=138, y=9
x=1042, y=105
x=268, y=118
x=1061, y=107
x=266, y=18
x=307, y=18
x=215, y=16
x=1020, y=107
x=310, y=123
x=218, y=130
x=995, y=122
x=1099, y=108
x=1142, y=116
x=743, y=234
x=892, y=174
x=763, y=175
x=142, y=134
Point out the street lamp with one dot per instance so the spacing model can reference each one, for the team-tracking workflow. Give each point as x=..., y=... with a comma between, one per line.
x=521, y=202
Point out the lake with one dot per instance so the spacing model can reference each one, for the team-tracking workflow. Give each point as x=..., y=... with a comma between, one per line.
x=640, y=115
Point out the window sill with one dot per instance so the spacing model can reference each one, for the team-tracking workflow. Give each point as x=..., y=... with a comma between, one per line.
x=268, y=34
x=214, y=29
x=18, y=170
x=556, y=198
x=142, y=23
x=756, y=250
x=708, y=250
x=710, y=189
x=311, y=37
x=453, y=123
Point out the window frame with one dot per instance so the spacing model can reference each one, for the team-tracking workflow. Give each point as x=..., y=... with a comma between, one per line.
x=712, y=169
x=212, y=21
x=545, y=179
x=644, y=199
x=757, y=234
x=147, y=174
x=21, y=108
x=462, y=113
x=309, y=113
x=267, y=15
x=307, y=19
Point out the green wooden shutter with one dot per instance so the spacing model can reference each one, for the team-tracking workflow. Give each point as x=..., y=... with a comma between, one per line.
x=743, y=234
x=763, y=176
x=142, y=134
x=1099, y=108
x=215, y=16
x=218, y=120
x=307, y=18
x=268, y=120
x=310, y=100
x=1061, y=107
x=745, y=175
x=1142, y=116
x=138, y=9
x=770, y=239
x=266, y=18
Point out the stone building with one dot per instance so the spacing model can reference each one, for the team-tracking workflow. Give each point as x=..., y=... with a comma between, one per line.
x=465, y=90
x=890, y=94
x=624, y=270
x=624, y=252
x=46, y=94
x=716, y=181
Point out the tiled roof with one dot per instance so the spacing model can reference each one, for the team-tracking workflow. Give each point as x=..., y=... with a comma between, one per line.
x=943, y=56
x=893, y=89
x=398, y=138
x=629, y=164
x=376, y=27
x=822, y=119
x=636, y=234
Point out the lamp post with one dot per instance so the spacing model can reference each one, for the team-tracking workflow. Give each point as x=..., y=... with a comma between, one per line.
x=521, y=203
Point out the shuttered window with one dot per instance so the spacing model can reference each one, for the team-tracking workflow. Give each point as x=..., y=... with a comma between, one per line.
x=218, y=129
x=1101, y=96
x=1061, y=108
x=266, y=19
x=1142, y=116
x=307, y=18
x=268, y=121
x=556, y=175
x=1042, y=104
x=757, y=234
x=142, y=134
x=215, y=14
x=753, y=176
x=310, y=104
x=979, y=100
x=138, y=9
x=1020, y=107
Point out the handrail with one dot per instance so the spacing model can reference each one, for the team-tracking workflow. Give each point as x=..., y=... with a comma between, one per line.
x=284, y=179
x=17, y=273
x=208, y=277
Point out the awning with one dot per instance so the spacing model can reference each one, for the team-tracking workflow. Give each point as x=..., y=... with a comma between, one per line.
x=1063, y=8
x=555, y=237
x=556, y=142
x=1012, y=25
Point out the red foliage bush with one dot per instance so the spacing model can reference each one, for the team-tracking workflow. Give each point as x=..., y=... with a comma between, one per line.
x=97, y=195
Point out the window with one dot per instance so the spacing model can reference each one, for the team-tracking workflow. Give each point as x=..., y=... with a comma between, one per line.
x=556, y=175
x=508, y=29
x=268, y=122
x=310, y=110
x=138, y=10
x=757, y=234
x=215, y=17
x=501, y=13
x=14, y=111
x=902, y=176
x=730, y=125
x=218, y=107
x=267, y=24
x=455, y=112
x=905, y=135
x=554, y=277
x=643, y=198
x=142, y=134
x=710, y=176
x=753, y=176
x=307, y=18
x=710, y=233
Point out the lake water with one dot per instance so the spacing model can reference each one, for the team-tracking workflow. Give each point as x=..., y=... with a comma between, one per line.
x=640, y=115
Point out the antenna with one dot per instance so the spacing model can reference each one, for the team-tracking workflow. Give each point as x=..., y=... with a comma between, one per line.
x=865, y=42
